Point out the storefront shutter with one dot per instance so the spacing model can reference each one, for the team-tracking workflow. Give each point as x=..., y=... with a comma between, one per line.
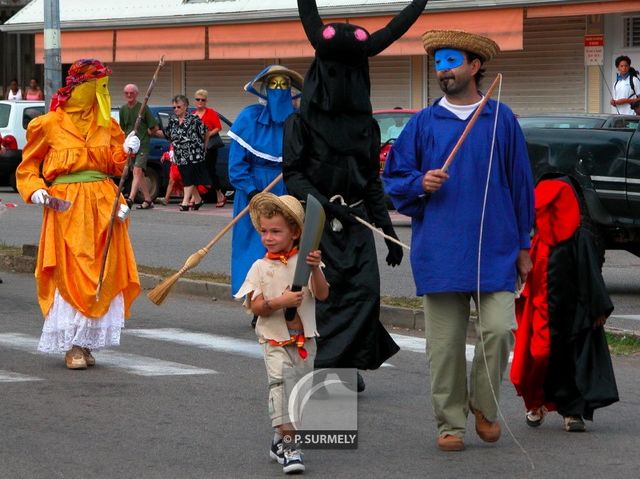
x=224, y=80
x=140, y=74
x=548, y=76
x=390, y=82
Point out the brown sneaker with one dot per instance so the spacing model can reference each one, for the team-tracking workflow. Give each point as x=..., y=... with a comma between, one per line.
x=88, y=357
x=450, y=443
x=74, y=358
x=487, y=430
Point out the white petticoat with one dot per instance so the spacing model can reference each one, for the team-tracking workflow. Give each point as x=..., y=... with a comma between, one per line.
x=65, y=327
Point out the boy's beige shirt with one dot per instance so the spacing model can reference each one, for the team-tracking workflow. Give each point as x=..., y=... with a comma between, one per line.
x=270, y=278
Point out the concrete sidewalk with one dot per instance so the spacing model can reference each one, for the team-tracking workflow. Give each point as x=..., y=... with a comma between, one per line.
x=391, y=316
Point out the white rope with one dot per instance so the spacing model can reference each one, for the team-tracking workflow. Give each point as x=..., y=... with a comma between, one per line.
x=484, y=355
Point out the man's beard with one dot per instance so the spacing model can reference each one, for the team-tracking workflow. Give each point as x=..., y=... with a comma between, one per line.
x=451, y=85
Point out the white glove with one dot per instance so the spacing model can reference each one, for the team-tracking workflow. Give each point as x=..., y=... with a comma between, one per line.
x=131, y=143
x=39, y=196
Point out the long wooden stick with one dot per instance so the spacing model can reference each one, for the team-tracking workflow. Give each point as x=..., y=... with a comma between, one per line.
x=158, y=294
x=475, y=116
x=123, y=179
x=376, y=230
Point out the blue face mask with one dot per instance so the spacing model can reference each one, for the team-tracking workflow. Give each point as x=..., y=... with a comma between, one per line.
x=448, y=59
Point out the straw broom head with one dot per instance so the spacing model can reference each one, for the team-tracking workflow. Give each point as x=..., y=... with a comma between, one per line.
x=158, y=294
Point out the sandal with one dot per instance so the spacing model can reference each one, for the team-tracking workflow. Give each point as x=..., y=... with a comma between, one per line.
x=129, y=202
x=221, y=203
x=535, y=417
x=184, y=207
x=146, y=205
x=196, y=206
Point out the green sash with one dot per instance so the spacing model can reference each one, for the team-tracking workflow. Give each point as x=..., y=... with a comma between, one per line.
x=85, y=176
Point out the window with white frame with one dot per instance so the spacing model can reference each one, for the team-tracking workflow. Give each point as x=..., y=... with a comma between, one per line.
x=631, y=32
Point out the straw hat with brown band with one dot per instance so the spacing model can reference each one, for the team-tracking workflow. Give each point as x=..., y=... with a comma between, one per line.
x=289, y=205
x=484, y=47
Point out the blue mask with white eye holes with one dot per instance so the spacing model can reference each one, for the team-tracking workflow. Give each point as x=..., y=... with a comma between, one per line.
x=447, y=59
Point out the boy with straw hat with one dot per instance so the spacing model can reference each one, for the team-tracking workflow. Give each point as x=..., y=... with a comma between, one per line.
x=472, y=223
x=286, y=344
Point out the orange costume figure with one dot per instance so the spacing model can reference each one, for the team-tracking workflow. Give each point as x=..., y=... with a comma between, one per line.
x=77, y=146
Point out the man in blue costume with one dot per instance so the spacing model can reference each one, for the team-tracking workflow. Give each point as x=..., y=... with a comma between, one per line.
x=255, y=157
x=452, y=226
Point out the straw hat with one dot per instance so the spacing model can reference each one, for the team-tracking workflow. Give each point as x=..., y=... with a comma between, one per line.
x=287, y=203
x=484, y=47
x=296, y=79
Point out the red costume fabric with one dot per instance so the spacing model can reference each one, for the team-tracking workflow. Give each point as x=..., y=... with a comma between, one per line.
x=557, y=219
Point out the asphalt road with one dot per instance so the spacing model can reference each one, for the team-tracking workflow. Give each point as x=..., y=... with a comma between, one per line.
x=166, y=237
x=185, y=395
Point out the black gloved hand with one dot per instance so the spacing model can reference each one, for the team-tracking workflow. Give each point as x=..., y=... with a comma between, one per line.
x=252, y=194
x=340, y=212
x=394, y=258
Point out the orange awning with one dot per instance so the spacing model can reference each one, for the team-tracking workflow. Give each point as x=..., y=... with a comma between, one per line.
x=288, y=40
x=504, y=26
x=259, y=40
x=74, y=45
x=597, y=8
x=149, y=44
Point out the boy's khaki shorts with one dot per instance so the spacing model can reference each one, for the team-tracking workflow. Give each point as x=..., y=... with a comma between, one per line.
x=276, y=358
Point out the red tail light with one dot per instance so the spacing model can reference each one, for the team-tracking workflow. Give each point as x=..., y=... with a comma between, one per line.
x=9, y=142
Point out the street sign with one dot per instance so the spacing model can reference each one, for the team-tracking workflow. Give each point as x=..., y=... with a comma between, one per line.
x=593, y=50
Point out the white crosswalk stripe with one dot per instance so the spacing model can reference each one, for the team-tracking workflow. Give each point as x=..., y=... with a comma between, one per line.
x=11, y=377
x=131, y=363
x=227, y=344
x=418, y=345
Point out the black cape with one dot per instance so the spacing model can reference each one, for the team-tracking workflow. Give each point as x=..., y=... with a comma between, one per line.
x=351, y=334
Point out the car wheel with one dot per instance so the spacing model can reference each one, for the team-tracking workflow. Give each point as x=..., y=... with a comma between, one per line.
x=12, y=181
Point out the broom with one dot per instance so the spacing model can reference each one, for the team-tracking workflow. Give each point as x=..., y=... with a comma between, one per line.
x=158, y=294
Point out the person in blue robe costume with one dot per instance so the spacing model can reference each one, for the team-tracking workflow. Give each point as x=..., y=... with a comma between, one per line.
x=331, y=151
x=255, y=157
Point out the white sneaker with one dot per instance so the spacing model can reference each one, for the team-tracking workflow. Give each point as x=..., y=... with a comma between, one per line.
x=293, y=462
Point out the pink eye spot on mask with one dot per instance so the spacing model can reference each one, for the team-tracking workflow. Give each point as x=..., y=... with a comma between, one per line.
x=360, y=34
x=328, y=33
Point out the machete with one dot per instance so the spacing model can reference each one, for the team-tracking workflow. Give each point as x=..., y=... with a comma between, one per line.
x=314, y=218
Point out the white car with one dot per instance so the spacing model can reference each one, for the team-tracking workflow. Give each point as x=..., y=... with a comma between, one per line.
x=14, y=119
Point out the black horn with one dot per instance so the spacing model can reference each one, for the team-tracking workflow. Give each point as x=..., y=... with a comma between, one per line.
x=311, y=21
x=394, y=29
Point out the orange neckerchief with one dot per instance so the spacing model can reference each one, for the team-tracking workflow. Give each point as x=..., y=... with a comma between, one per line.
x=284, y=257
x=297, y=339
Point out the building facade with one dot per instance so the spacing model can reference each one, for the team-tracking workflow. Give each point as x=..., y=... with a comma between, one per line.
x=219, y=46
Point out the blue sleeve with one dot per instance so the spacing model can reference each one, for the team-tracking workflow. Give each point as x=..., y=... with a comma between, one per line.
x=402, y=175
x=521, y=180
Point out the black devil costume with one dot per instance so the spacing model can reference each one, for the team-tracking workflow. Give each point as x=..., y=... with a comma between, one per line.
x=331, y=151
x=560, y=360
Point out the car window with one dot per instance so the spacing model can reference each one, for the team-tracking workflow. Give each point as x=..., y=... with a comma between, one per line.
x=557, y=122
x=30, y=113
x=5, y=110
x=622, y=123
x=391, y=125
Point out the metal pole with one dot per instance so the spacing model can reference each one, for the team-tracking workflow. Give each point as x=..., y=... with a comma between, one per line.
x=52, y=62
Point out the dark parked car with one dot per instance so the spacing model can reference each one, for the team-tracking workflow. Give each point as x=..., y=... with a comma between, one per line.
x=602, y=154
x=157, y=173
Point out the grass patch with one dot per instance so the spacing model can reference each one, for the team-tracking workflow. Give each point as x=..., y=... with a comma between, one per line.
x=623, y=344
x=200, y=276
x=402, y=302
x=6, y=249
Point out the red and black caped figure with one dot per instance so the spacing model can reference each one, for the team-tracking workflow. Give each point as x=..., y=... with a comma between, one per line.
x=561, y=360
x=331, y=152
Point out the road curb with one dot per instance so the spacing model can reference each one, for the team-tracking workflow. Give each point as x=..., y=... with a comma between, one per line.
x=390, y=316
